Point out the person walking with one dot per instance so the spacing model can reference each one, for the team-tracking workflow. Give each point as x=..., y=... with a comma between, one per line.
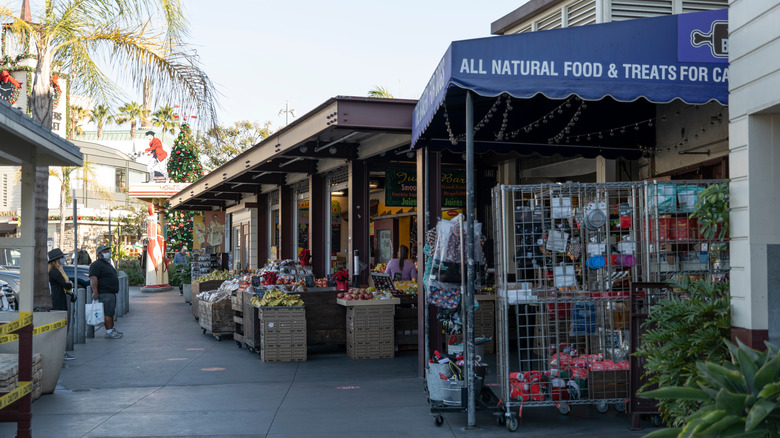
x=181, y=257
x=83, y=257
x=401, y=269
x=60, y=286
x=105, y=285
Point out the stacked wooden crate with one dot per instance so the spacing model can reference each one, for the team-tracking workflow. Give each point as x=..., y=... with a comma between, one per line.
x=251, y=322
x=282, y=334
x=237, y=304
x=9, y=374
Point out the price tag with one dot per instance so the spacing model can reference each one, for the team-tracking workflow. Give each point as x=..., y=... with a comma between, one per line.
x=309, y=280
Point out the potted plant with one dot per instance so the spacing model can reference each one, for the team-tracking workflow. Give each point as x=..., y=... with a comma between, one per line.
x=341, y=278
x=181, y=275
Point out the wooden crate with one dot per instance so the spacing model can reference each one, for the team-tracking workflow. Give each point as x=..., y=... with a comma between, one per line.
x=217, y=317
x=251, y=322
x=237, y=301
x=608, y=384
x=202, y=287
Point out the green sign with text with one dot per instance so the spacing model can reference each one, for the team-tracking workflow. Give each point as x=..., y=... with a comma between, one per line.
x=401, y=188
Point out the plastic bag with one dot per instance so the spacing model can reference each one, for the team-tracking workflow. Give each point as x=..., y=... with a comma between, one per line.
x=94, y=311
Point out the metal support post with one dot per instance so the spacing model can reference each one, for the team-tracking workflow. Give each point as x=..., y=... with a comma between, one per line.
x=470, y=274
x=80, y=321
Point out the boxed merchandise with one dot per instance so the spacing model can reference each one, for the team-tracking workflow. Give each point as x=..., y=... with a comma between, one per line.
x=282, y=334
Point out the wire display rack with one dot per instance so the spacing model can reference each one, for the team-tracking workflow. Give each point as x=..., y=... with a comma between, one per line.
x=566, y=256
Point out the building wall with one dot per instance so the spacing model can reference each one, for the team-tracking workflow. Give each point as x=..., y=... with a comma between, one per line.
x=754, y=155
x=556, y=15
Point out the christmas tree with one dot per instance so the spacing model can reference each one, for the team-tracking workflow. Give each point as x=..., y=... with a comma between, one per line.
x=183, y=166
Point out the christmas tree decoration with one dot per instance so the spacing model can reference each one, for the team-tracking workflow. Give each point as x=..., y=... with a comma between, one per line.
x=183, y=166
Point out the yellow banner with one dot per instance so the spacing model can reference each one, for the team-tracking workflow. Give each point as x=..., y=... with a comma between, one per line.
x=22, y=390
x=25, y=319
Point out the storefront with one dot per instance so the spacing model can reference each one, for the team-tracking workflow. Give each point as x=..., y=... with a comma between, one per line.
x=602, y=92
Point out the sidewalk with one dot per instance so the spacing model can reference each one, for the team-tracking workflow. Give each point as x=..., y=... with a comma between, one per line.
x=166, y=378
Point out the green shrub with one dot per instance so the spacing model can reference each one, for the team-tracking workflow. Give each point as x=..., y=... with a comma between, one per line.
x=133, y=270
x=179, y=274
x=740, y=398
x=688, y=326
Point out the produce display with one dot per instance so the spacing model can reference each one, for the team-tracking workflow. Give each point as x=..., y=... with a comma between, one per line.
x=320, y=282
x=369, y=293
x=213, y=296
x=277, y=298
x=213, y=275
x=406, y=287
x=380, y=267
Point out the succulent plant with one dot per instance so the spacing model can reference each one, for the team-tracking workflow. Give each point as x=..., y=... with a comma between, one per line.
x=740, y=398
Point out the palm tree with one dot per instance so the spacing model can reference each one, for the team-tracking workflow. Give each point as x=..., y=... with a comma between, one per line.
x=74, y=35
x=101, y=115
x=76, y=115
x=131, y=112
x=378, y=91
x=165, y=117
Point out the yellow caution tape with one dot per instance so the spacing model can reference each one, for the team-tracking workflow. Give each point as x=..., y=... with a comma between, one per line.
x=4, y=339
x=36, y=331
x=23, y=389
x=52, y=326
x=25, y=319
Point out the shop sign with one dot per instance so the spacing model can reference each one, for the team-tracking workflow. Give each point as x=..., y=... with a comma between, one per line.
x=401, y=188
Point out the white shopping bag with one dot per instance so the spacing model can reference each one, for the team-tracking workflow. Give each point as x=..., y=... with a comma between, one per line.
x=94, y=311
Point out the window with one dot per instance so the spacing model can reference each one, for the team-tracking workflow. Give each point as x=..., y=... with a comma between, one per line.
x=120, y=180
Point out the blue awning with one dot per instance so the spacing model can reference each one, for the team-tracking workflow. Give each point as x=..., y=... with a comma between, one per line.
x=649, y=61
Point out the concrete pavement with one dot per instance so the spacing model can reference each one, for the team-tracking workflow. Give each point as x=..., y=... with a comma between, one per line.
x=165, y=378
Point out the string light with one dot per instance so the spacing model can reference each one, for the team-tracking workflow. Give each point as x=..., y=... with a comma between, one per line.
x=544, y=119
x=566, y=129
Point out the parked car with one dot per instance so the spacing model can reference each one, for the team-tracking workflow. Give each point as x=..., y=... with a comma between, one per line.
x=7, y=297
x=11, y=276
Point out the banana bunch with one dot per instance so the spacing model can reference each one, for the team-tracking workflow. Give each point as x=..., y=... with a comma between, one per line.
x=213, y=275
x=277, y=298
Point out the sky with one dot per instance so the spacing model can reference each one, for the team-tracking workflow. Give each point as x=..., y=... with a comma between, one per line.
x=266, y=55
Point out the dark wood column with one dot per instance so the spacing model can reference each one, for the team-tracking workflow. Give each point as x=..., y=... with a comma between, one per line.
x=358, y=215
x=319, y=225
x=263, y=229
x=288, y=220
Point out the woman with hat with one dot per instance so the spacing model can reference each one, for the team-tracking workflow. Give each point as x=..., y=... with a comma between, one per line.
x=60, y=285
